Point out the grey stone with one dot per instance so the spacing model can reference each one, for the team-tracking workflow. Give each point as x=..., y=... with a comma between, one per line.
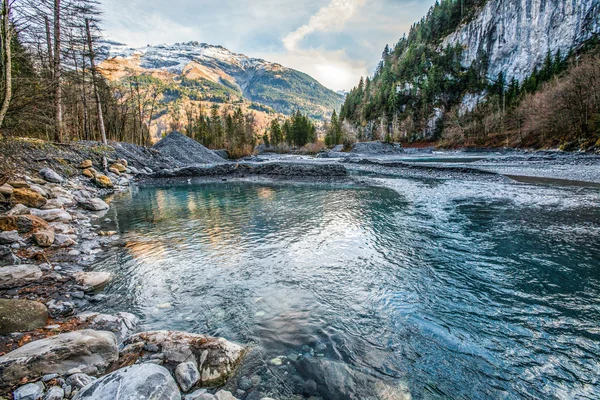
x=7, y=257
x=93, y=204
x=93, y=280
x=21, y=315
x=49, y=377
x=79, y=380
x=197, y=395
x=55, y=393
x=51, y=176
x=122, y=324
x=93, y=352
x=10, y=237
x=144, y=381
x=31, y=391
x=14, y=276
x=216, y=358
x=53, y=215
x=245, y=383
x=187, y=375
x=224, y=395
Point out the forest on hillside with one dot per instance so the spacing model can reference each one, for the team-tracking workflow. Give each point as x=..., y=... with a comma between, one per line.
x=418, y=89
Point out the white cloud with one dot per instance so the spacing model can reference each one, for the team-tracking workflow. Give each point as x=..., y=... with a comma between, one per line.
x=333, y=69
x=327, y=19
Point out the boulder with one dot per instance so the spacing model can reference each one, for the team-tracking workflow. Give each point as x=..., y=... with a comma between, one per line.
x=86, y=164
x=62, y=240
x=58, y=202
x=39, y=190
x=144, y=381
x=114, y=171
x=21, y=316
x=187, y=375
x=55, y=215
x=7, y=257
x=216, y=358
x=93, y=280
x=51, y=176
x=225, y=395
x=89, y=172
x=44, y=237
x=19, y=209
x=10, y=237
x=22, y=223
x=28, y=198
x=14, y=276
x=79, y=381
x=119, y=167
x=92, y=352
x=93, y=204
x=122, y=324
x=18, y=184
x=55, y=393
x=103, y=181
x=6, y=190
x=30, y=391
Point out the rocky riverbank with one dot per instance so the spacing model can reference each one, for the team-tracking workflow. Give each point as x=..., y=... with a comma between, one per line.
x=53, y=199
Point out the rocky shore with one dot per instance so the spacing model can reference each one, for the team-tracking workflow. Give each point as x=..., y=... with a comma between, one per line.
x=52, y=204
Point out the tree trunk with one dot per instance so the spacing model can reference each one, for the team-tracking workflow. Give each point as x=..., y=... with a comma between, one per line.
x=94, y=82
x=49, y=44
x=6, y=33
x=58, y=123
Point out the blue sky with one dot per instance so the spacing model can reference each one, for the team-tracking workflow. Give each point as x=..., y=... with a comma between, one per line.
x=335, y=41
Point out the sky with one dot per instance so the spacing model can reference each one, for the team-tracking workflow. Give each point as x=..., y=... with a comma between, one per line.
x=334, y=41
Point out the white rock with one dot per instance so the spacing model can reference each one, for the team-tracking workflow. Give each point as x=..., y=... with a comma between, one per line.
x=53, y=215
x=224, y=395
x=143, y=382
x=92, y=352
x=93, y=280
x=187, y=375
x=93, y=204
x=31, y=391
x=55, y=393
x=13, y=276
x=51, y=176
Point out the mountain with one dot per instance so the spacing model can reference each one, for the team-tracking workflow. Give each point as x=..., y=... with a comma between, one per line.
x=468, y=59
x=218, y=75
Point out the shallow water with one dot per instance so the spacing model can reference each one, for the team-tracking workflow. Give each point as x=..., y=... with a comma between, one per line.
x=415, y=289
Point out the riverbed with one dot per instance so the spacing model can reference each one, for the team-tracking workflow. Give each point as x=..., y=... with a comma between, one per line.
x=399, y=285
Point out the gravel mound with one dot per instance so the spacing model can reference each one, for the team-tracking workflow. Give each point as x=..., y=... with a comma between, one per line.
x=376, y=148
x=186, y=151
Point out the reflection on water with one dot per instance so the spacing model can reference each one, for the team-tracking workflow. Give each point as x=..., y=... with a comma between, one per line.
x=431, y=290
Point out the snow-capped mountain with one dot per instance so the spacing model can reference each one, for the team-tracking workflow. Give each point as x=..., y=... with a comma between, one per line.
x=257, y=80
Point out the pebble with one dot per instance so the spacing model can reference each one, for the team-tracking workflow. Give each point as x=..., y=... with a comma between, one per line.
x=49, y=377
x=277, y=361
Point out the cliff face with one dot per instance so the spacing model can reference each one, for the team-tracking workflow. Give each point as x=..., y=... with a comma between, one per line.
x=516, y=35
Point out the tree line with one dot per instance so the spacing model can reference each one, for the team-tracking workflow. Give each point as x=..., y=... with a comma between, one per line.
x=51, y=85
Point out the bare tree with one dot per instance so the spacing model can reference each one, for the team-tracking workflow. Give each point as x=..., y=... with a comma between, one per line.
x=6, y=59
x=94, y=82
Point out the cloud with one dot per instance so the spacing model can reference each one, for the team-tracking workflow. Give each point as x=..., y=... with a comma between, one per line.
x=327, y=19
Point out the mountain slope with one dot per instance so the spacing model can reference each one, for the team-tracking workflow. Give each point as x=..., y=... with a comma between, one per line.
x=465, y=56
x=223, y=76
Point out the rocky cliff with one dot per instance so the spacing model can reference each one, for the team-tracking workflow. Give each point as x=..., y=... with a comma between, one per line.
x=516, y=35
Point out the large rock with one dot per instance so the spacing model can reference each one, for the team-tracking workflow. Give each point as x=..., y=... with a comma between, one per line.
x=93, y=280
x=85, y=164
x=51, y=176
x=21, y=316
x=10, y=237
x=55, y=215
x=6, y=190
x=28, y=197
x=216, y=358
x=187, y=375
x=120, y=168
x=44, y=237
x=122, y=324
x=22, y=223
x=138, y=382
x=30, y=391
x=14, y=276
x=92, y=352
x=103, y=181
x=93, y=204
